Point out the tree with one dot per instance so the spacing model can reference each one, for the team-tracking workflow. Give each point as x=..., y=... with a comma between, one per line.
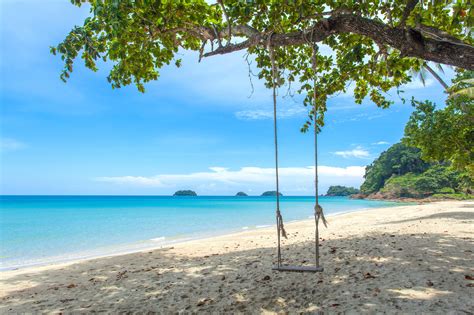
x=445, y=134
x=436, y=179
x=398, y=160
x=375, y=44
x=463, y=87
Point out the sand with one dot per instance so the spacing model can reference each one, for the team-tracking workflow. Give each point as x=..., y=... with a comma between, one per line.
x=404, y=259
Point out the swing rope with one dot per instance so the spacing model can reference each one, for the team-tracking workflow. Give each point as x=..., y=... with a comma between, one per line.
x=279, y=219
x=318, y=210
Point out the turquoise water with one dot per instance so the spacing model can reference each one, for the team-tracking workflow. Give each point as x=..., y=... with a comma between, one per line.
x=43, y=229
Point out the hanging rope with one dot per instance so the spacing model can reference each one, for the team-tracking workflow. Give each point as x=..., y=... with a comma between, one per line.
x=279, y=219
x=318, y=210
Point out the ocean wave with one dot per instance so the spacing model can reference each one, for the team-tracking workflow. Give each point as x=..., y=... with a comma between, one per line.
x=245, y=228
x=158, y=239
x=262, y=226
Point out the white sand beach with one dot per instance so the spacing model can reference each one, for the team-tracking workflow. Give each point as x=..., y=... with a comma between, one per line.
x=407, y=259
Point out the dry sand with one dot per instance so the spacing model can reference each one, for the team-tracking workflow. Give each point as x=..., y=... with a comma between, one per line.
x=405, y=259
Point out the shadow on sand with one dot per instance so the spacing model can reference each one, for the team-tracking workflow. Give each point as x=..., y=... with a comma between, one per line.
x=398, y=272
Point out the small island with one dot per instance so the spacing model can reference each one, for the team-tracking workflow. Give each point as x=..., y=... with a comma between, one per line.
x=241, y=194
x=341, y=191
x=271, y=193
x=185, y=193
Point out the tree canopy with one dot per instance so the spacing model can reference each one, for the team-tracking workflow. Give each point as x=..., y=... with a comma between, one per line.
x=375, y=44
x=445, y=134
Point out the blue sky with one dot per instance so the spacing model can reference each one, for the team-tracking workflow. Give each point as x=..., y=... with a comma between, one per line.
x=195, y=128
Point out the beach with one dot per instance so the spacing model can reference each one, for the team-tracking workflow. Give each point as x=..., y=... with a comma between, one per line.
x=414, y=258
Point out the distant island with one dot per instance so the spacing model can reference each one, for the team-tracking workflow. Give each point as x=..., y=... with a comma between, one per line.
x=341, y=191
x=185, y=193
x=270, y=193
x=241, y=194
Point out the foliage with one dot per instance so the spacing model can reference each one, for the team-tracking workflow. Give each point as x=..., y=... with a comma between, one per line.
x=445, y=134
x=341, y=191
x=464, y=87
x=438, y=179
x=375, y=44
x=456, y=196
x=399, y=159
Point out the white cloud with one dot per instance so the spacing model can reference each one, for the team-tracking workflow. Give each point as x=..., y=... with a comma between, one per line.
x=380, y=143
x=9, y=144
x=358, y=152
x=255, y=114
x=259, y=114
x=285, y=109
x=221, y=180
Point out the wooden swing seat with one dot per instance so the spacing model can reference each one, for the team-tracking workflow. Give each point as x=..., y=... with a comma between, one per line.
x=298, y=268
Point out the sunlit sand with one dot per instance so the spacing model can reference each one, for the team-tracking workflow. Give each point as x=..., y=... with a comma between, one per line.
x=408, y=258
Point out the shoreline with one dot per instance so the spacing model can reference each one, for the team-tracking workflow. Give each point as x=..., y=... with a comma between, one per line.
x=59, y=261
x=425, y=200
x=410, y=259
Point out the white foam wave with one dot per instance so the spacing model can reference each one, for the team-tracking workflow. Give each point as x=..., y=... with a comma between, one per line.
x=158, y=239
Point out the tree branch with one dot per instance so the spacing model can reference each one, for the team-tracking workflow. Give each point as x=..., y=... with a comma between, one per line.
x=411, y=4
x=221, y=3
x=410, y=42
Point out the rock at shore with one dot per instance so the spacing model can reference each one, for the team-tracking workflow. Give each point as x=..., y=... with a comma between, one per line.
x=185, y=193
x=241, y=194
x=358, y=196
x=270, y=193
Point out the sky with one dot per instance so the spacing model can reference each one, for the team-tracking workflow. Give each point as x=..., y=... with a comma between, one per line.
x=198, y=127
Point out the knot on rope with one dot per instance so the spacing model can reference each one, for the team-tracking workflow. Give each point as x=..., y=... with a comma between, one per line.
x=281, y=227
x=318, y=210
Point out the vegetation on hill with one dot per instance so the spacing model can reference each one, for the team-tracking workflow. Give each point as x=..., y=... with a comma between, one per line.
x=398, y=160
x=341, y=191
x=241, y=194
x=438, y=180
x=270, y=193
x=185, y=193
x=400, y=172
x=436, y=156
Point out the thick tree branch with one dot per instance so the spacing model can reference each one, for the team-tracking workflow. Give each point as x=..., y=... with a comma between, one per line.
x=438, y=34
x=411, y=4
x=410, y=42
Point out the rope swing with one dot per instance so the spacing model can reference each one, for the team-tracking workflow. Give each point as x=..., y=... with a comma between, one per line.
x=279, y=219
x=318, y=210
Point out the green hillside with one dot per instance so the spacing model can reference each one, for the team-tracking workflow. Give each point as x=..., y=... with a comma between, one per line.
x=400, y=172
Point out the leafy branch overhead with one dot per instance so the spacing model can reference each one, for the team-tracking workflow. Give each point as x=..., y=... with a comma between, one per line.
x=375, y=44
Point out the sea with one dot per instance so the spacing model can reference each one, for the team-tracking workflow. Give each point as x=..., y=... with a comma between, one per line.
x=40, y=230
